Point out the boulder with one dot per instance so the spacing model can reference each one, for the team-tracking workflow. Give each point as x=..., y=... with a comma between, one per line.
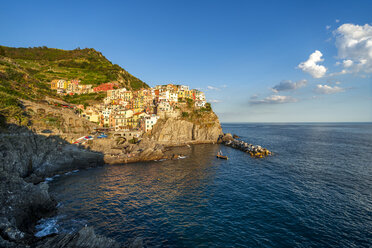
x=236, y=136
x=227, y=137
x=21, y=205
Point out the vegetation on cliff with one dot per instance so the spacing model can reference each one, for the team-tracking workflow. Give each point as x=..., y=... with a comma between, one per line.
x=26, y=73
x=199, y=116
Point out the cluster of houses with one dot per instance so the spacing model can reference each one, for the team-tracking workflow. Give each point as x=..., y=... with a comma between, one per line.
x=137, y=111
x=124, y=110
x=72, y=87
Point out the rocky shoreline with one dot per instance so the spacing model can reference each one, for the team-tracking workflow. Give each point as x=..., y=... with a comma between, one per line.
x=28, y=158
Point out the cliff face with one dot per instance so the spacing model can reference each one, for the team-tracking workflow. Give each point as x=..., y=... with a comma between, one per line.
x=25, y=159
x=177, y=131
x=27, y=154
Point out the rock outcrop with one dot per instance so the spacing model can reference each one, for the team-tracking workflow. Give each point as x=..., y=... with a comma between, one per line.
x=30, y=155
x=21, y=205
x=175, y=132
x=82, y=239
x=144, y=150
x=59, y=120
x=25, y=160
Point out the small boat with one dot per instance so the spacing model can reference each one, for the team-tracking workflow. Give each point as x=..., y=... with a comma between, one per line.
x=102, y=136
x=219, y=155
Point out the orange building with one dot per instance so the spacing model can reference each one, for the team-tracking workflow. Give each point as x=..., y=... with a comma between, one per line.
x=105, y=87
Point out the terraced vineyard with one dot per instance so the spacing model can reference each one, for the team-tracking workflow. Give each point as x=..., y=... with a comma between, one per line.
x=26, y=73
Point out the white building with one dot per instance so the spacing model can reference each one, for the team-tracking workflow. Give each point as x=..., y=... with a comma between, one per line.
x=116, y=94
x=126, y=113
x=200, y=103
x=200, y=96
x=107, y=100
x=183, y=87
x=150, y=122
x=173, y=97
x=164, y=96
x=106, y=116
x=164, y=107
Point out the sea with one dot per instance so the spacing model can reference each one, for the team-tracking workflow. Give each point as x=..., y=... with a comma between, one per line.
x=314, y=191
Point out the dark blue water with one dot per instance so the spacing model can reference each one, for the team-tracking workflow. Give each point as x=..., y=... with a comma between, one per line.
x=316, y=191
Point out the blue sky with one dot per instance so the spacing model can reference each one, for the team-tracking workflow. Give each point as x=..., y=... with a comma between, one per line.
x=252, y=58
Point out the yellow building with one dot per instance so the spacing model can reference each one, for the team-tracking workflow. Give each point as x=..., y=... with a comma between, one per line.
x=136, y=119
x=92, y=116
x=181, y=94
x=54, y=84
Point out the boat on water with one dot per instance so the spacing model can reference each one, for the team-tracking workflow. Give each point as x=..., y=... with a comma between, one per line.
x=221, y=156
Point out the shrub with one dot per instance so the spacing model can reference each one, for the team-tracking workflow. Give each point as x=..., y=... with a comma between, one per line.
x=208, y=106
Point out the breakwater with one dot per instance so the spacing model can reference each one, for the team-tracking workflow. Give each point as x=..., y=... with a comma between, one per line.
x=255, y=151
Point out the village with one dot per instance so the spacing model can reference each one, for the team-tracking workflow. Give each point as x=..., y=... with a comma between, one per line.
x=131, y=113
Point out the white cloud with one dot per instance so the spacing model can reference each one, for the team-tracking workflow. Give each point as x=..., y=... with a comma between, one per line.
x=347, y=63
x=214, y=101
x=212, y=88
x=274, y=99
x=326, y=89
x=310, y=66
x=354, y=44
x=287, y=85
x=328, y=27
x=337, y=20
x=253, y=97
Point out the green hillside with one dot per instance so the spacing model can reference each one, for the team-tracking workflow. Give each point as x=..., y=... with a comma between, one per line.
x=26, y=73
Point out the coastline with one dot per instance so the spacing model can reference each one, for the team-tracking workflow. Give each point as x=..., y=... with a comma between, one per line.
x=29, y=159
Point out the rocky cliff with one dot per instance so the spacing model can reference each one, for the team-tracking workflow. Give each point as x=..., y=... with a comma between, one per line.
x=181, y=131
x=29, y=155
x=26, y=159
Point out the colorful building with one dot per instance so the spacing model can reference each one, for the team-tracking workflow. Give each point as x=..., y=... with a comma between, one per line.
x=105, y=87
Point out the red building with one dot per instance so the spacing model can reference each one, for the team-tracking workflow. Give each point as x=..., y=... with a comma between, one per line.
x=104, y=87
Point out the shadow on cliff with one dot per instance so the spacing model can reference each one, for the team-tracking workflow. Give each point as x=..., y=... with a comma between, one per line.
x=26, y=159
x=33, y=156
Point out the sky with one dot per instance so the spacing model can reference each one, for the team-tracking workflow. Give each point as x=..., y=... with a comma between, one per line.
x=257, y=61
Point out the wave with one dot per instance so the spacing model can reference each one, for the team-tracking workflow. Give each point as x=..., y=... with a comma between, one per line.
x=49, y=179
x=46, y=227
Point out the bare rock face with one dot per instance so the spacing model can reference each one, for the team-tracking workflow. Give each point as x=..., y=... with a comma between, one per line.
x=174, y=131
x=64, y=121
x=82, y=239
x=145, y=150
x=21, y=204
x=207, y=133
x=25, y=153
x=26, y=158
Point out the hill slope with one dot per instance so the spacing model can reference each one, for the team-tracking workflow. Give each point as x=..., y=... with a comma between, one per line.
x=25, y=73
